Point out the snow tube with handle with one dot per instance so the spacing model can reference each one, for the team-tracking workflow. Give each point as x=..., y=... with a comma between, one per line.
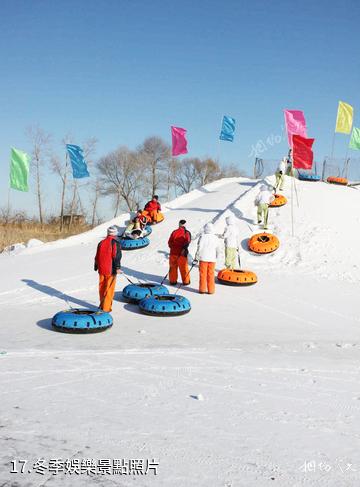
x=136, y=292
x=147, y=230
x=336, y=180
x=82, y=321
x=170, y=305
x=133, y=244
x=236, y=277
x=305, y=176
x=263, y=243
x=279, y=200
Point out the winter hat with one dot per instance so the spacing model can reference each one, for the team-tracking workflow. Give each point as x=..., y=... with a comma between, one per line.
x=230, y=220
x=182, y=222
x=112, y=231
x=209, y=228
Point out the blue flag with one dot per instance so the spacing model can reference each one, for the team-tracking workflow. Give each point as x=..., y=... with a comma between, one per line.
x=78, y=162
x=227, y=129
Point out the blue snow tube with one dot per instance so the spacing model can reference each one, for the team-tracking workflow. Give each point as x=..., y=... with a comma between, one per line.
x=130, y=244
x=306, y=176
x=168, y=305
x=147, y=230
x=82, y=321
x=136, y=292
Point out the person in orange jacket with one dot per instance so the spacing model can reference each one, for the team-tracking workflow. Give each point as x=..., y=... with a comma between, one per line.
x=153, y=209
x=108, y=265
x=179, y=242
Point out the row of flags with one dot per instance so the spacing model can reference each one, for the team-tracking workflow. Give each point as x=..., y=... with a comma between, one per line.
x=344, y=121
x=295, y=125
x=301, y=145
x=20, y=166
x=20, y=161
x=179, y=141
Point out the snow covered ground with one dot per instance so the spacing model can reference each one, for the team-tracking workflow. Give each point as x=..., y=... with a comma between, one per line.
x=276, y=364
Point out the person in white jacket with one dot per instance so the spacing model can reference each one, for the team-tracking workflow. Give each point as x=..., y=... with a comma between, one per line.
x=207, y=252
x=280, y=175
x=262, y=201
x=231, y=236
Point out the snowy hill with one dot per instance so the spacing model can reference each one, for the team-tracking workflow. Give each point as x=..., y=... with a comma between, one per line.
x=275, y=362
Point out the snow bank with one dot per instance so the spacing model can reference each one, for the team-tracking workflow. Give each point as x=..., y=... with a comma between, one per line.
x=34, y=242
x=14, y=249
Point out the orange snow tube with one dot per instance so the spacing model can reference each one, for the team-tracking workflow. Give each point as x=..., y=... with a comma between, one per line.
x=154, y=216
x=279, y=200
x=147, y=216
x=236, y=277
x=263, y=243
x=336, y=180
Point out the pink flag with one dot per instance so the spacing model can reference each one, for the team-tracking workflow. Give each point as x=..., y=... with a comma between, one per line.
x=295, y=124
x=179, y=142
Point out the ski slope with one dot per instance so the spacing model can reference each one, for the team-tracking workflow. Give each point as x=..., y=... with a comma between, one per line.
x=276, y=363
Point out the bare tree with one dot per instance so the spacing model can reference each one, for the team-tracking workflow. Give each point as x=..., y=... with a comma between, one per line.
x=231, y=171
x=40, y=142
x=172, y=167
x=89, y=149
x=61, y=168
x=155, y=154
x=121, y=175
x=186, y=175
x=95, y=188
x=207, y=170
x=6, y=214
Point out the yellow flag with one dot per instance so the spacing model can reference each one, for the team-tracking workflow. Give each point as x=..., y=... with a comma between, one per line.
x=344, y=118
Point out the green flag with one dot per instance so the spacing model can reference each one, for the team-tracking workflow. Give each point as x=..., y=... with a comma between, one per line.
x=355, y=139
x=19, y=170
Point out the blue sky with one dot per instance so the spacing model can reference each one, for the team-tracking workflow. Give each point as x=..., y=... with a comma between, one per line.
x=123, y=70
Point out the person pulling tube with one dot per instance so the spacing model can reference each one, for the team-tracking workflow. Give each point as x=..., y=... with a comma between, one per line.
x=231, y=238
x=280, y=175
x=262, y=201
x=178, y=242
x=208, y=250
x=108, y=264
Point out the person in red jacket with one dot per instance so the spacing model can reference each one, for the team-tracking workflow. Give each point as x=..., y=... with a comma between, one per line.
x=153, y=210
x=107, y=263
x=179, y=242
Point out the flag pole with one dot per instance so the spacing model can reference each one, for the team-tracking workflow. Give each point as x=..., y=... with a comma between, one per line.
x=333, y=139
x=332, y=147
x=296, y=193
x=8, y=204
x=292, y=198
x=292, y=188
x=219, y=144
x=346, y=163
